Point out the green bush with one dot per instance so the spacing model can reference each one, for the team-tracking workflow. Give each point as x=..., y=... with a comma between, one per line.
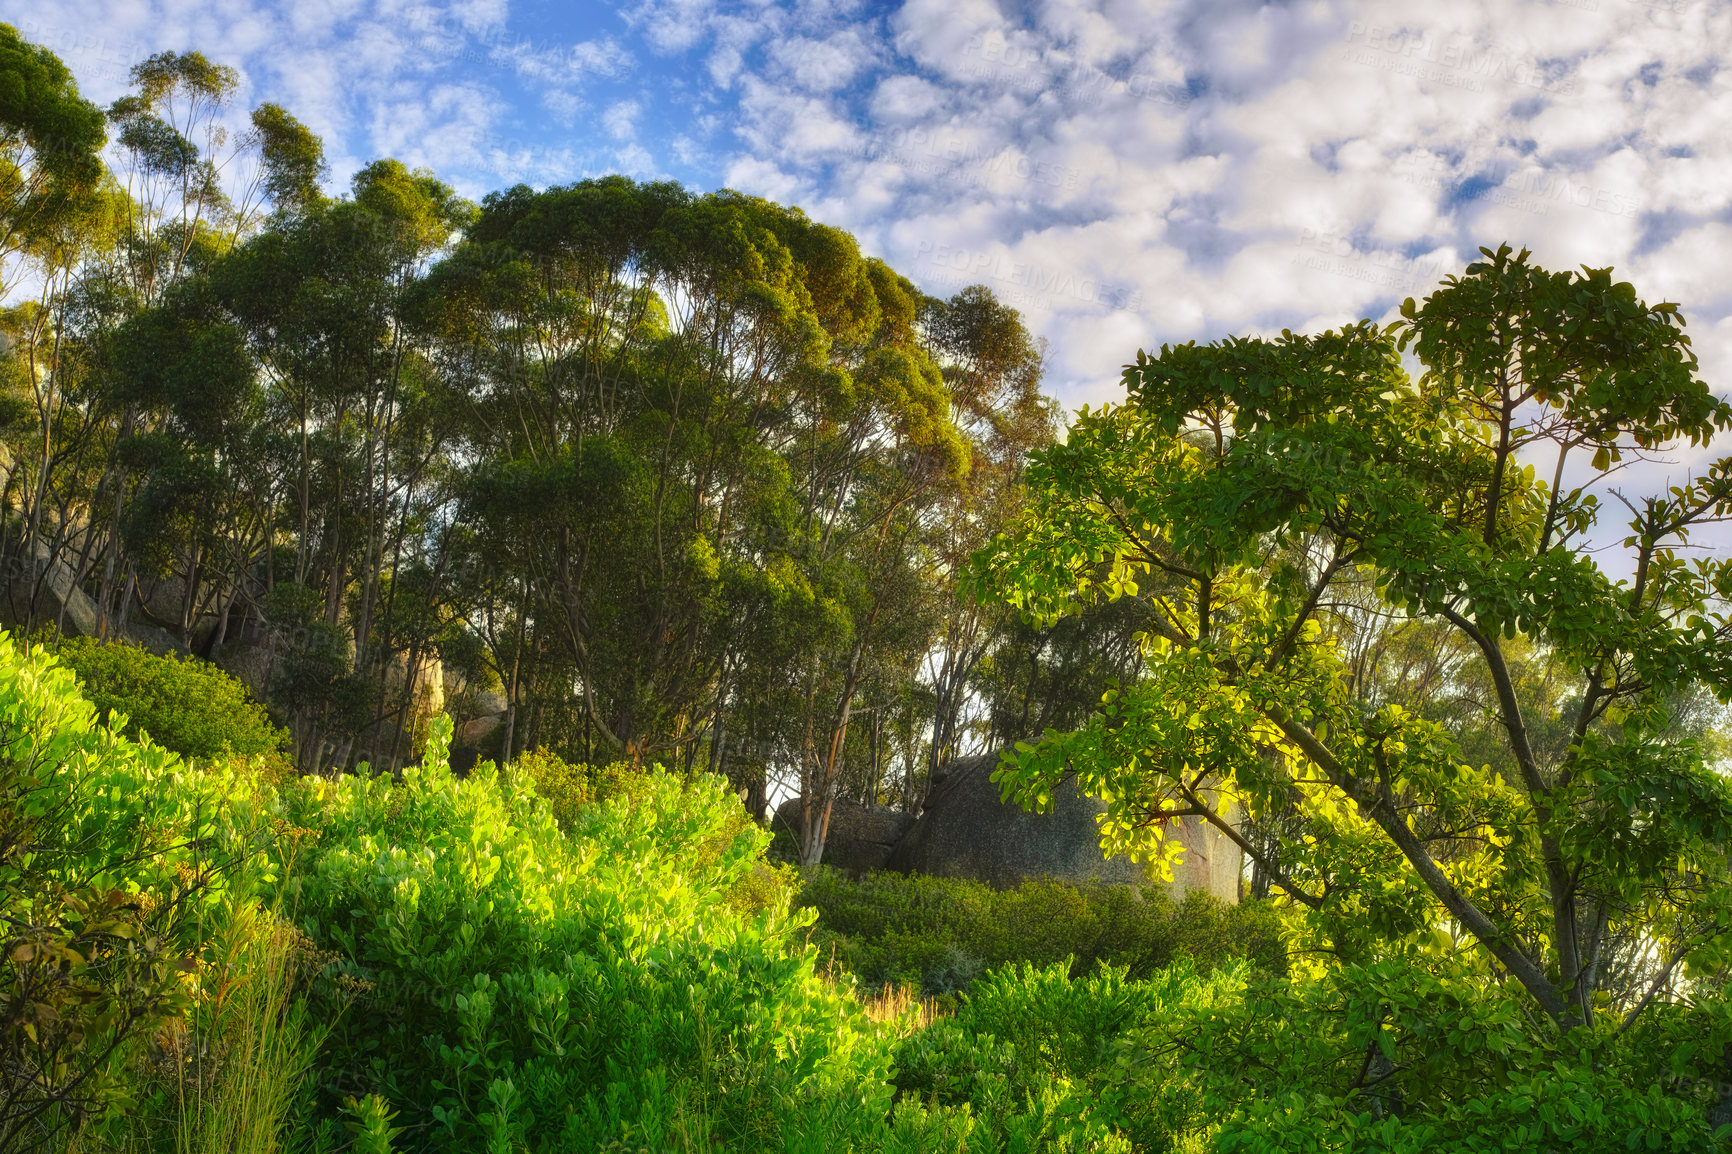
x=1410, y=1058
x=608, y=985
x=943, y=933
x=1026, y=1031
x=570, y=789
x=566, y=788
x=182, y=703
x=1386, y=1058
x=478, y=978
x=120, y=869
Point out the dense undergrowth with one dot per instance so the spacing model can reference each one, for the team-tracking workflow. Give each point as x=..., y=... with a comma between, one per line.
x=941, y=934
x=202, y=957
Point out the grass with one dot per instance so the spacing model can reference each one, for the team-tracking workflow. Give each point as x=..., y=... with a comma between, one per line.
x=238, y=1069
x=905, y=1003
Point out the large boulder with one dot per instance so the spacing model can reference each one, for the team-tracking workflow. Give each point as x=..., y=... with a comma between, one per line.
x=472, y=733
x=59, y=600
x=860, y=836
x=966, y=831
x=248, y=664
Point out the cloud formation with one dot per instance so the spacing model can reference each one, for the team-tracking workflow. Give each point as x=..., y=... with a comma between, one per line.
x=1126, y=172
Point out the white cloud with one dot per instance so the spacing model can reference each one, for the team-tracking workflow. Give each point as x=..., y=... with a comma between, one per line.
x=1129, y=171
x=822, y=65
x=620, y=119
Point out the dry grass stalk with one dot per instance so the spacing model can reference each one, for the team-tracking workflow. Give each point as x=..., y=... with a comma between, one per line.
x=903, y=1003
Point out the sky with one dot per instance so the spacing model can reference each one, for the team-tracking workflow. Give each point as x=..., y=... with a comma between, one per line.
x=1125, y=174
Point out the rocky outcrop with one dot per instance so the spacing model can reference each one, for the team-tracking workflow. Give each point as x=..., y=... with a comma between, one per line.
x=861, y=837
x=48, y=584
x=478, y=730
x=966, y=831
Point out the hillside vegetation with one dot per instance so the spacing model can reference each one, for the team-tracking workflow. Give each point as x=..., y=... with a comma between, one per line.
x=383, y=451
x=198, y=959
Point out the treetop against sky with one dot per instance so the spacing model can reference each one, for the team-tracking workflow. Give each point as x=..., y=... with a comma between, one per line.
x=1124, y=173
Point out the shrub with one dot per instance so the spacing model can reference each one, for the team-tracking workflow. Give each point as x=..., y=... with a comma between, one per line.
x=230, y=1077
x=569, y=789
x=1408, y=1058
x=183, y=704
x=489, y=981
x=493, y=981
x=116, y=863
x=942, y=933
x=599, y=986
x=566, y=788
x=1026, y=1033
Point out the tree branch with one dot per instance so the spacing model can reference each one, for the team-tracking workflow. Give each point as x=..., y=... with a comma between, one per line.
x=1471, y=917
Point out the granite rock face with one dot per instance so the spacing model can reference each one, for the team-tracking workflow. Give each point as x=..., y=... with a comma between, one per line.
x=966, y=831
x=861, y=837
x=58, y=598
x=472, y=733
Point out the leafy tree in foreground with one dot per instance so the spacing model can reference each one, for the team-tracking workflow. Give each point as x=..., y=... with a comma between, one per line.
x=1272, y=500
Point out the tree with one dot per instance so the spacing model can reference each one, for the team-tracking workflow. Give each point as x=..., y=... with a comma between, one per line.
x=1274, y=503
x=321, y=297
x=686, y=477
x=992, y=367
x=50, y=147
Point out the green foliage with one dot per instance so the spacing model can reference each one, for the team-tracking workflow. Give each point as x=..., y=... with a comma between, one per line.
x=1028, y=1033
x=493, y=981
x=294, y=159
x=1371, y=1059
x=116, y=864
x=230, y=1077
x=51, y=154
x=524, y=985
x=566, y=788
x=943, y=933
x=1388, y=1057
x=181, y=703
x=370, y=1123
x=314, y=676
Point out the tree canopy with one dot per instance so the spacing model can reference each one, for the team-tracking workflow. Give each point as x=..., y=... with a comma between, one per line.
x=675, y=476
x=1388, y=622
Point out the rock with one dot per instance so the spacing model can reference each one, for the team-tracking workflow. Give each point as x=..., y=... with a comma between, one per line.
x=248, y=664
x=966, y=831
x=161, y=597
x=488, y=702
x=1212, y=863
x=59, y=600
x=473, y=733
x=159, y=641
x=860, y=836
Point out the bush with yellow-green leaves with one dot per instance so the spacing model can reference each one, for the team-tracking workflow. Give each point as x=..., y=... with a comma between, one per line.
x=198, y=959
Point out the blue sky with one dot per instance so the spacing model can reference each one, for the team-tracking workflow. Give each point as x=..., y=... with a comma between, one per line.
x=1125, y=173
